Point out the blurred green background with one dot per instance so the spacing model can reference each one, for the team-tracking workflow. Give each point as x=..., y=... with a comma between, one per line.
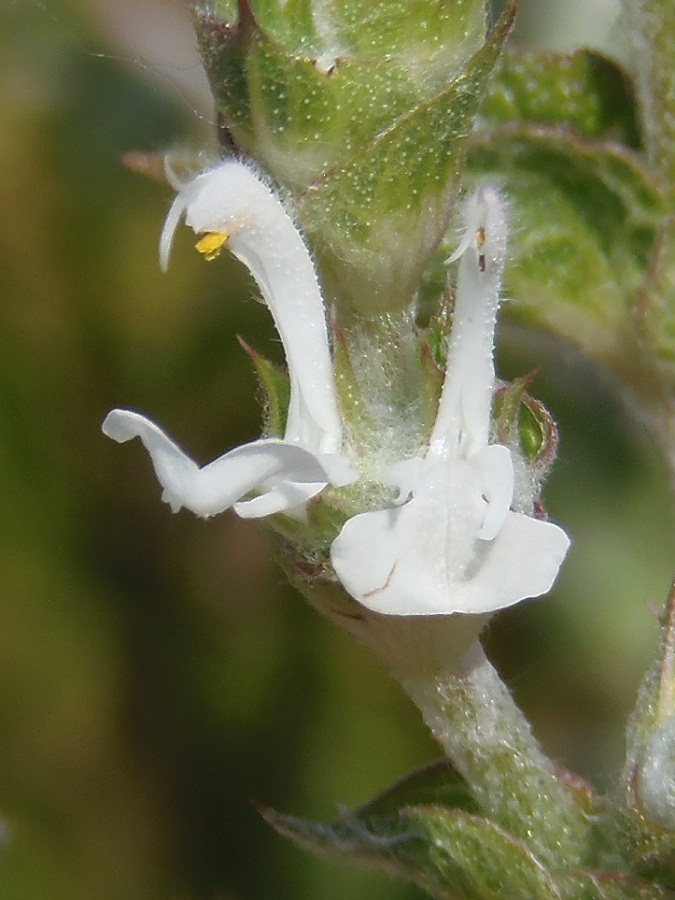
x=155, y=673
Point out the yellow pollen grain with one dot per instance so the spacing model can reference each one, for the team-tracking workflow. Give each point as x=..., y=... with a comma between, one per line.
x=480, y=237
x=210, y=244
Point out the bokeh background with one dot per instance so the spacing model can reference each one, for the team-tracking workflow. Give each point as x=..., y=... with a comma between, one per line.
x=155, y=673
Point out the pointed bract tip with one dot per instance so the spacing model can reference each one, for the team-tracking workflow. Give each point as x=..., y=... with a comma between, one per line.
x=248, y=350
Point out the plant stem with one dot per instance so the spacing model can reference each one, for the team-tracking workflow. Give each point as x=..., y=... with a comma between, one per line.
x=474, y=717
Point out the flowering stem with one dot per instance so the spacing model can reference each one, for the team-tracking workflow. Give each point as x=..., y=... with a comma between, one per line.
x=485, y=735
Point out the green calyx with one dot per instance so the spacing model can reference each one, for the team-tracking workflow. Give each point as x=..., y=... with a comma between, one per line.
x=304, y=86
x=362, y=120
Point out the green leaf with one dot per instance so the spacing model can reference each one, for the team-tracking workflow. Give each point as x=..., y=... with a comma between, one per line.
x=383, y=833
x=302, y=88
x=584, y=91
x=437, y=783
x=451, y=854
x=298, y=121
x=445, y=34
x=477, y=860
x=396, y=847
x=376, y=221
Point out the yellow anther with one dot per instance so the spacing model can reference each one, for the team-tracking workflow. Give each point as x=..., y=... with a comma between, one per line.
x=210, y=244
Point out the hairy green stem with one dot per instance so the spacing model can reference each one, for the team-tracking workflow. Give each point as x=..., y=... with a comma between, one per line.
x=474, y=717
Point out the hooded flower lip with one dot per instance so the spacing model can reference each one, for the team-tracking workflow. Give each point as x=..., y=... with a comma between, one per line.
x=453, y=544
x=229, y=205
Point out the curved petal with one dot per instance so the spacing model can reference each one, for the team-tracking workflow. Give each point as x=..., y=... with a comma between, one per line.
x=280, y=495
x=287, y=491
x=398, y=560
x=364, y=554
x=286, y=474
x=495, y=471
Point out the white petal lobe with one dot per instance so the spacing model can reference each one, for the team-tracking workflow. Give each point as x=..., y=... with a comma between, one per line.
x=389, y=561
x=284, y=474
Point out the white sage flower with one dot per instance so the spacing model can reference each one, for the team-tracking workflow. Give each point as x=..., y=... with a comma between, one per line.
x=452, y=544
x=228, y=205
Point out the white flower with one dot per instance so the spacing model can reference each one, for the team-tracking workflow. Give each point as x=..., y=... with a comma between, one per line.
x=229, y=205
x=453, y=544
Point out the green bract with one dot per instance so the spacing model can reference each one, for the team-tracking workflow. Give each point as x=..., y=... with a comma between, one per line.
x=322, y=82
x=444, y=35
